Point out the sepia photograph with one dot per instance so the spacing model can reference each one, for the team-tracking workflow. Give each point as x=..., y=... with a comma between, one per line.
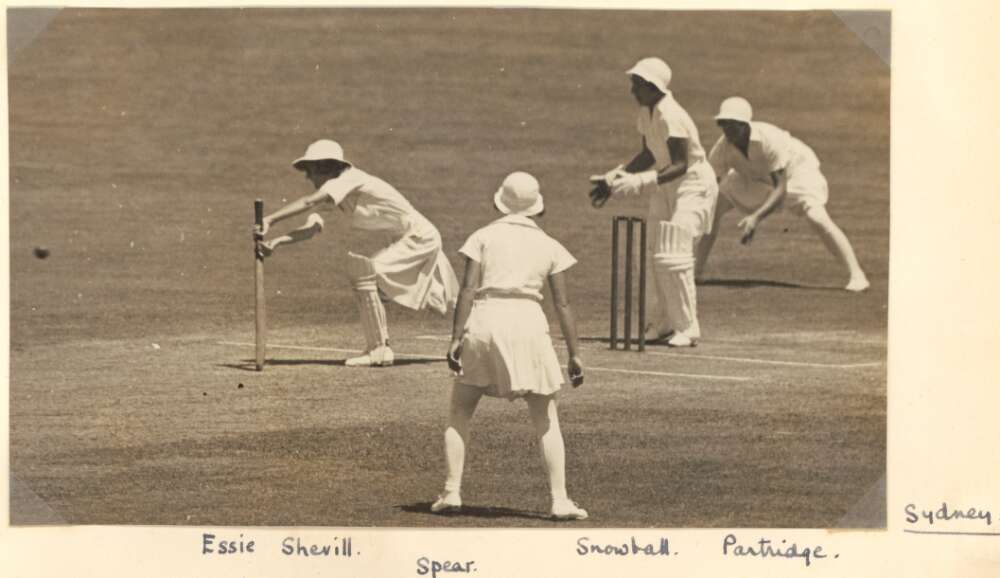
x=445, y=267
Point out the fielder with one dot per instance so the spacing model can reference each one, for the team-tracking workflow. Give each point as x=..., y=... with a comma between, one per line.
x=673, y=171
x=413, y=271
x=762, y=168
x=500, y=344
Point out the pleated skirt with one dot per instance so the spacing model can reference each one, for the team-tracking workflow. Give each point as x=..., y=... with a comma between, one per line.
x=507, y=350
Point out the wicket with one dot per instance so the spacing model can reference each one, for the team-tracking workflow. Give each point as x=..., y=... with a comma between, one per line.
x=630, y=223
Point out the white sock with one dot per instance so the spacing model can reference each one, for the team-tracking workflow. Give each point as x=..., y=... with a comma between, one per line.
x=464, y=399
x=454, y=451
x=545, y=418
x=835, y=241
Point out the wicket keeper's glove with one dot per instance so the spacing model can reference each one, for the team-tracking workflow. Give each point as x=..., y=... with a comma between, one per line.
x=633, y=183
x=599, y=194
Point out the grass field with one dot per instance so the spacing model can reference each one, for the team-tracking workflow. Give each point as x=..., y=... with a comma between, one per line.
x=140, y=138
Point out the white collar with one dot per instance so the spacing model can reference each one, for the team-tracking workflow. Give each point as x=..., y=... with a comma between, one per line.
x=518, y=220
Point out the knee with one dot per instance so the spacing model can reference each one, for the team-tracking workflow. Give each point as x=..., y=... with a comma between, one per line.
x=542, y=425
x=817, y=215
x=674, y=248
x=543, y=415
x=361, y=272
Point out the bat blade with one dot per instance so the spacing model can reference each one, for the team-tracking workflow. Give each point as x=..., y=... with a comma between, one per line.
x=260, y=328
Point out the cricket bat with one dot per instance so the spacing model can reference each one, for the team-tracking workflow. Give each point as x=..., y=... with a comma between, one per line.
x=261, y=323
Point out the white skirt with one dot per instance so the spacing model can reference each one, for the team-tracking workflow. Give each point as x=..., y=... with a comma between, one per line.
x=415, y=273
x=506, y=349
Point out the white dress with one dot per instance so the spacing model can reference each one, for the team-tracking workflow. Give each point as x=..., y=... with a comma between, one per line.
x=506, y=347
x=413, y=271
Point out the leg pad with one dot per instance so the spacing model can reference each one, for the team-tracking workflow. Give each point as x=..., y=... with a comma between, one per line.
x=673, y=266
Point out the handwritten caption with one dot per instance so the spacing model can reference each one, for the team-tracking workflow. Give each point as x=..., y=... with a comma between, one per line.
x=948, y=518
x=945, y=518
x=338, y=547
x=730, y=546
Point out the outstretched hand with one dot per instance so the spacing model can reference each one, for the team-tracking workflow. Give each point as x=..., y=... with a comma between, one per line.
x=627, y=184
x=610, y=176
x=749, y=226
x=601, y=192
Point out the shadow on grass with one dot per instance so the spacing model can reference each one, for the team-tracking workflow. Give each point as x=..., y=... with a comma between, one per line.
x=662, y=342
x=467, y=511
x=754, y=283
x=251, y=365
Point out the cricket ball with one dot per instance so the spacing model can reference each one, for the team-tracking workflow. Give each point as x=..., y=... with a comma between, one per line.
x=41, y=252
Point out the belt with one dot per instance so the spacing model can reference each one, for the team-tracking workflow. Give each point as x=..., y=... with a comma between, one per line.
x=493, y=295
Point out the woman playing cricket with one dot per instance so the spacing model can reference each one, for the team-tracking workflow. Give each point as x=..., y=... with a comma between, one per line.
x=500, y=343
x=412, y=270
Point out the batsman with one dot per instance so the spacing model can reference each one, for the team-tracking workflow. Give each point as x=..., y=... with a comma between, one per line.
x=412, y=270
x=672, y=171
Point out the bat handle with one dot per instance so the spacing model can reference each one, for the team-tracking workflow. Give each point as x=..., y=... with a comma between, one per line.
x=261, y=324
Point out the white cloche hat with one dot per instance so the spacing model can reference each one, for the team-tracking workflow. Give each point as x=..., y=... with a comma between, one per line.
x=654, y=71
x=322, y=150
x=735, y=108
x=519, y=195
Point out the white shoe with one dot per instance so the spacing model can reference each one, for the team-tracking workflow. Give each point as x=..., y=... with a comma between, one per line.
x=654, y=335
x=447, y=502
x=858, y=284
x=381, y=356
x=681, y=340
x=566, y=509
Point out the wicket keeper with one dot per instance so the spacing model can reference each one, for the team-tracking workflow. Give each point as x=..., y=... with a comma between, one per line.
x=673, y=171
x=412, y=271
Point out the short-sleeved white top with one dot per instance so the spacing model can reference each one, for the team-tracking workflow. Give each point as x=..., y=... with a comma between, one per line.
x=665, y=120
x=516, y=257
x=371, y=203
x=771, y=149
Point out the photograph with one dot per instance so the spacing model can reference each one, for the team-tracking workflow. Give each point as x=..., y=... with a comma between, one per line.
x=449, y=267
